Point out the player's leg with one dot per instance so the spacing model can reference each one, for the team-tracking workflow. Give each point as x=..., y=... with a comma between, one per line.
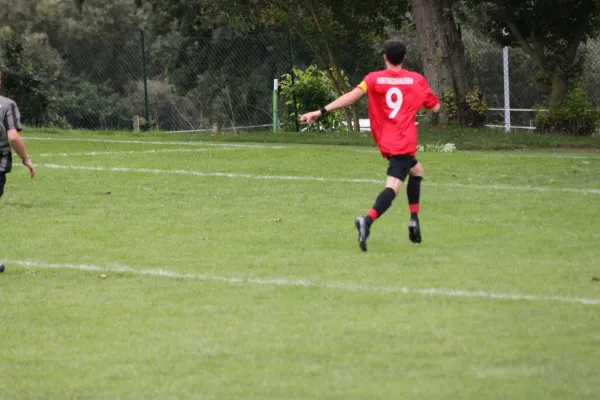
x=413, y=192
x=2, y=182
x=385, y=199
x=398, y=170
x=5, y=168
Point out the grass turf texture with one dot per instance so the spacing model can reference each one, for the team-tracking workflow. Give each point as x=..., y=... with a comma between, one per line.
x=68, y=334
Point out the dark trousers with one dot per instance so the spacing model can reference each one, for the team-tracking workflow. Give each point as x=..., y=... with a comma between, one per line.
x=2, y=182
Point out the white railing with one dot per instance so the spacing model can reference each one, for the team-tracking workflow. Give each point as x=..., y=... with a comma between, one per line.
x=507, y=125
x=507, y=110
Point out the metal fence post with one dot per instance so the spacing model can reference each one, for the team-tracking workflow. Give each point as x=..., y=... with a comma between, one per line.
x=275, y=104
x=506, y=92
x=145, y=67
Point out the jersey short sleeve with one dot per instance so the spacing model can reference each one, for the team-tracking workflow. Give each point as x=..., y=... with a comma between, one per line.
x=12, y=117
x=430, y=100
x=363, y=86
x=366, y=83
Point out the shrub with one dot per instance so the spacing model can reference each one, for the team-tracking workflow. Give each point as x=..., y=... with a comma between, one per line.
x=470, y=110
x=576, y=117
x=90, y=106
x=313, y=89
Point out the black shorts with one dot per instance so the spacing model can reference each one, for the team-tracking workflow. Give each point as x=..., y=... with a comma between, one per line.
x=400, y=166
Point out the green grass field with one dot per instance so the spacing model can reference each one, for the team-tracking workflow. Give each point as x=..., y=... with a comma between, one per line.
x=233, y=272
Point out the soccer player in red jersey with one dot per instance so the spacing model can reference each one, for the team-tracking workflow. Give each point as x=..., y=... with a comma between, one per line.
x=395, y=96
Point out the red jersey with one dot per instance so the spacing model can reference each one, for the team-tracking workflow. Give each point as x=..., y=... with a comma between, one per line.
x=395, y=97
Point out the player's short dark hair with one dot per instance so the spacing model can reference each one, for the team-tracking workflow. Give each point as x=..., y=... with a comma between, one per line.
x=395, y=51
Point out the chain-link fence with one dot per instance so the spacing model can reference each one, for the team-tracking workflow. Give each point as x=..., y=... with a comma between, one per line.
x=226, y=81
x=173, y=83
x=525, y=92
x=189, y=84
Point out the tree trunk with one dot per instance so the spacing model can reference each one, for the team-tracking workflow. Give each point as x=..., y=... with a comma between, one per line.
x=463, y=80
x=442, y=50
x=338, y=85
x=327, y=62
x=558, y=91
x=332, y=67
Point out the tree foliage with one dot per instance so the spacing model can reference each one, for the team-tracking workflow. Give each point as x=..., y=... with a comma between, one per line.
x=31, y=84
x=550, y=31
x=338, y=32
x=442, y=50
x=335, y=30
x=83, y=62
x=214, y=60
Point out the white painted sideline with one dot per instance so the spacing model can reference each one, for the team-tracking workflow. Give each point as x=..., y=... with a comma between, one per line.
x=509, y=153
x=313, y=178
x=257, y=146
x=591, y=156
x=110, y=153
x=190, y=143
x=347, y=287
x=225, y=148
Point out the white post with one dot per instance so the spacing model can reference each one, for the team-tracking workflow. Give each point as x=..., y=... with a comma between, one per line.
x=506, y=92
x=275, y=105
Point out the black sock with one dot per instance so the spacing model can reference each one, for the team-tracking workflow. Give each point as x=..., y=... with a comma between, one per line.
x=383, y=202
x=413, y=189
x=413, y=192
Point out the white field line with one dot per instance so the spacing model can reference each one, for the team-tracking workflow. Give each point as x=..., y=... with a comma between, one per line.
x=347, y=287
x=591, y=156
x=110, y=153
x=313, y=178
x=179, y=143
x=240, y=145
x=595, y=156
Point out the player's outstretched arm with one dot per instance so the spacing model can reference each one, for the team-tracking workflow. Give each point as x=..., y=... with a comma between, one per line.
x=343, y=101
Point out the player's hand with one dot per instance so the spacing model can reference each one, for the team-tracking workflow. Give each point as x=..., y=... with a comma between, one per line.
x=310, y=117
x=31, y=167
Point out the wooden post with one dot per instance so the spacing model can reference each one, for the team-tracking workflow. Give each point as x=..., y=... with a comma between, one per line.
x=136, y=123
x=216, y=127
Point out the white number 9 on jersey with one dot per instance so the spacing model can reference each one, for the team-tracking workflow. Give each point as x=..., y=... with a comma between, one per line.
x=394, y=98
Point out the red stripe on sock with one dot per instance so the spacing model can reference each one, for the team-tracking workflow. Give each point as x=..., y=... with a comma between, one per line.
x=373, y=214
x=414, y=208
